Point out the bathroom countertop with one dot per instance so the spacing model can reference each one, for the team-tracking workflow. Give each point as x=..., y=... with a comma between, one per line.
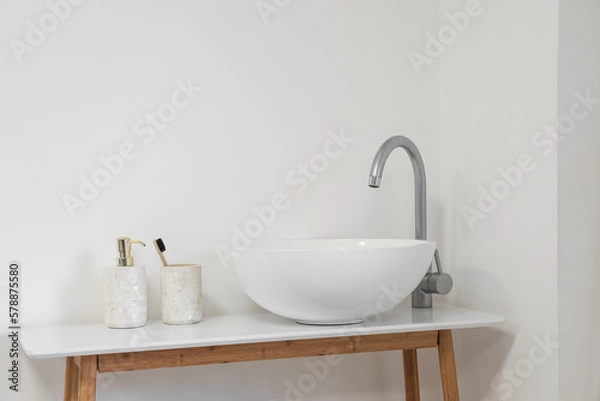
x=96, y=339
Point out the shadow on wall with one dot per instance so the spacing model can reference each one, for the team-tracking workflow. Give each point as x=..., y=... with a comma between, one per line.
x=491, y=344
x=217, y=280
x=50, y=372
x=482, y=347
x=88, y=294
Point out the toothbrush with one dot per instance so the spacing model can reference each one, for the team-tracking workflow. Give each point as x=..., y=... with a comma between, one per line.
x=160, y=248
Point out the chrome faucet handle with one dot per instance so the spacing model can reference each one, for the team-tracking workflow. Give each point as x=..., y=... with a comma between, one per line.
x=437, y=283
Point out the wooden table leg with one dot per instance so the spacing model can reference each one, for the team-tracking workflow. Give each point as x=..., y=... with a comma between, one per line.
x=411, y=375
x=71, y=380
x=88, y=369
x=448, y=366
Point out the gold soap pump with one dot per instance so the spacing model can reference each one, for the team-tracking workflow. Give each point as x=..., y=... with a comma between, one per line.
x=125, y=289
x=124, y=250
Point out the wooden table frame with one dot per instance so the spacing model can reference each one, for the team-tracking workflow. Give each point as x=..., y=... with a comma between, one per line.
x=81, y=371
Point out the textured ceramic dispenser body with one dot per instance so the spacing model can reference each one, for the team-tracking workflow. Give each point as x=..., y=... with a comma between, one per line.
x=181, y=287
x=125, y=296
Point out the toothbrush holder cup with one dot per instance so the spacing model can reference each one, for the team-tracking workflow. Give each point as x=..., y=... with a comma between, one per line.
x=181, y=288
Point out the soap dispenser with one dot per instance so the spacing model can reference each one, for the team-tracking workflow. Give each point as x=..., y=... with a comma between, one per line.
x=125, y=289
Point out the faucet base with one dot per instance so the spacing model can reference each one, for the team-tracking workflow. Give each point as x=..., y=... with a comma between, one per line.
x=421, y=299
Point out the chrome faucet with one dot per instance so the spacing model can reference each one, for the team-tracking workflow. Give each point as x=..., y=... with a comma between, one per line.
x=433, y=282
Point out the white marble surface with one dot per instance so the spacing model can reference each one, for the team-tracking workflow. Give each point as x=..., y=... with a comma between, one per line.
x=90, y=339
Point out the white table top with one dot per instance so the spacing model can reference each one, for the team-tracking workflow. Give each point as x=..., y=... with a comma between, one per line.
x=95, y=339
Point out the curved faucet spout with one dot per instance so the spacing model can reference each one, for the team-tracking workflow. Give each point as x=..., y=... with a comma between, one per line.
x=432, y=283
x=420, y=178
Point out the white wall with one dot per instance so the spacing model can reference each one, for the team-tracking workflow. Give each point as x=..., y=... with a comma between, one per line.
x=270, y=94
x=498, y=87
x=579, y=205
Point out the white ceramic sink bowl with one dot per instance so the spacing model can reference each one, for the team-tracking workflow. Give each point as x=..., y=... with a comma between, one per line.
x=332, y=281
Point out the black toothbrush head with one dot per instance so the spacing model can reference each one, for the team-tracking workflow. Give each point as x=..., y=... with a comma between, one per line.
x=161, y=245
